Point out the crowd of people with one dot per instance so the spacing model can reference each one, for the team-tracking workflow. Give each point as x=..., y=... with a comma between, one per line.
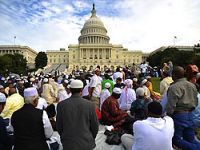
x=34, y=107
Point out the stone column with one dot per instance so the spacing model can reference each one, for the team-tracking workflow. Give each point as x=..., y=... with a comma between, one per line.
x=93, y=54
x=98, y=53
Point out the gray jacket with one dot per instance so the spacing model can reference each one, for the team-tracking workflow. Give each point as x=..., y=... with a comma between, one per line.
x=77, y=123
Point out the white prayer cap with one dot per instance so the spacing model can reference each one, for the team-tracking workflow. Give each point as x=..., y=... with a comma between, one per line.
x=135, y=79
x=128, y=82
x=45, y=80
x=3, y=79
x=32, y=79
x=76, y=84
x=107, y=85
x=148, y=77
x=66, y=81
x=1, y=87
x=140, y=91
x=2, y=98
x=117, y=90
x=144, y=81
x=32, y=91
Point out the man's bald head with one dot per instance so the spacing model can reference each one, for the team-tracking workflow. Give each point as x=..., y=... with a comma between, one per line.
x=178, y=72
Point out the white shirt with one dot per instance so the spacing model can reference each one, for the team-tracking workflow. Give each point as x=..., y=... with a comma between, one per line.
x=85, y=91
x=96, y=83
x=62, y=95
x=48, y=130
x=42, y=103
x=127, y=97
x=103, y=96
x=47, y=125
x=143, y=68
x=153, y=134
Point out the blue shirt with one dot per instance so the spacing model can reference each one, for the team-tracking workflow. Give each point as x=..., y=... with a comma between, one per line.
x=196, y=113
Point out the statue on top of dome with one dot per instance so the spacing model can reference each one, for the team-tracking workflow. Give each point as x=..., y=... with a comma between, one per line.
x=93, y=11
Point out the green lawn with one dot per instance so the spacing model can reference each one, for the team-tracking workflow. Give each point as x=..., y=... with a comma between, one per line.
x=156, y=84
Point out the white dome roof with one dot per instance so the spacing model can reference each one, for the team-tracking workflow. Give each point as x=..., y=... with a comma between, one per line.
x=93, y=27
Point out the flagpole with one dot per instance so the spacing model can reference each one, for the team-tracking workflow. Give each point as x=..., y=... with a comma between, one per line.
x=14, y=39
x=175, y=40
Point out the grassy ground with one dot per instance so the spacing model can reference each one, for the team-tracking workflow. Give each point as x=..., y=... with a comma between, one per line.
x=156, y=84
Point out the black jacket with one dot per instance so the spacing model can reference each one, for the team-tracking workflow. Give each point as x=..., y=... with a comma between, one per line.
x=28, y=129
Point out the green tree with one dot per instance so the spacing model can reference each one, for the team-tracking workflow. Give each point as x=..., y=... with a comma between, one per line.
x=41, y=60
x=12, y=63
x=181, y=58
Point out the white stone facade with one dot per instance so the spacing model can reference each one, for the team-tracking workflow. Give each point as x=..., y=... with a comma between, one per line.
x=94, y=49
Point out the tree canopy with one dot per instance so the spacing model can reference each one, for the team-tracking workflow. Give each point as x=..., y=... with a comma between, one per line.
x=41, y=60
x=12, y=63
x=178, y=57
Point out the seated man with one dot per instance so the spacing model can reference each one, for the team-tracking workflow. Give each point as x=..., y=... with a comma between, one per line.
x=110, y=111
x=127, y=96
x=31, y=125
x=139, y=106
x=154, y=133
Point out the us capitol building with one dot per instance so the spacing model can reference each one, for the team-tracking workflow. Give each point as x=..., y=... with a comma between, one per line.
x=93, y=49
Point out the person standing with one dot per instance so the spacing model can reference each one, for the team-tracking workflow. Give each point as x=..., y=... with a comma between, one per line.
x=76, y=120
x=47, y=92
x=182, y=100
x=95, y=87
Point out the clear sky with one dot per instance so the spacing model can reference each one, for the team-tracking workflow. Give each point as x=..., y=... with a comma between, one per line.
x=136, y=24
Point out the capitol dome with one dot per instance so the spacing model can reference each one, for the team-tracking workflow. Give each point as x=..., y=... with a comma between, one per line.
x=93, y=31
